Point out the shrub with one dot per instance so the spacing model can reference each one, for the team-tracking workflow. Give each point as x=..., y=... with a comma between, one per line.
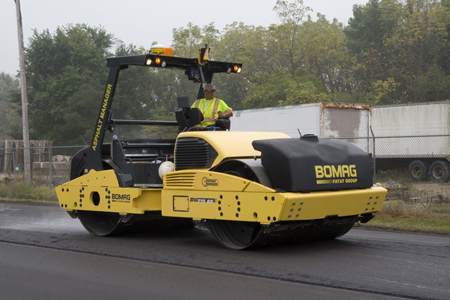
x=20, y=190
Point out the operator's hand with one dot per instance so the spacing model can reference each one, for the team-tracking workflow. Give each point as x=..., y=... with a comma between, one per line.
x=225, y=115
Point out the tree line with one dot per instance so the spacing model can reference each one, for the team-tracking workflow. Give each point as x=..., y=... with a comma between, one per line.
x=391, y=51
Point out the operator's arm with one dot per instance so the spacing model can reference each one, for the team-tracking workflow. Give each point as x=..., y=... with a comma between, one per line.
x=224, y=110
x=226, y=114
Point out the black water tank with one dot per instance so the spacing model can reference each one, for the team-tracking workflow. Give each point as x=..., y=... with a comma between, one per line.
x=310, y=164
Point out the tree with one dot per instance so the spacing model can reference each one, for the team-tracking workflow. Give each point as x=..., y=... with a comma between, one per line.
x=302, y=60
x=287, y=42
x=413, y=51
x=366, y=32
x=329, y=58
x=10, y=120
x=187, y=41
x=367, y=28
x=399, y=47
x=445, y=51
x=240, y=43
x=60, y=66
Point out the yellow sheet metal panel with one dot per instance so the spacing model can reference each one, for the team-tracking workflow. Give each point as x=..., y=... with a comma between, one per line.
x=181, y=203
x=318, y=205
x=229, y=144
x=257, y=187
x=150, y=200
x=204, y=180
x=267, y=207
x=98, y=178
x=264, y=208
x=100, y=191
x=99, y=198
x=213, y=195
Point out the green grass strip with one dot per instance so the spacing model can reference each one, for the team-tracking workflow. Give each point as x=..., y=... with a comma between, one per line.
x=419, y=223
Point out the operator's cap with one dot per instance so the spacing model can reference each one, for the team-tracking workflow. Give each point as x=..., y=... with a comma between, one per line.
x=209, y=87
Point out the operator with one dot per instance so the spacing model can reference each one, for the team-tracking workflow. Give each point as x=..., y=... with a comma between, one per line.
x=211, y=107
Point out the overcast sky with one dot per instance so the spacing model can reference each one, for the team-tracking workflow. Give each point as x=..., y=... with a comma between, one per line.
x=140, y=22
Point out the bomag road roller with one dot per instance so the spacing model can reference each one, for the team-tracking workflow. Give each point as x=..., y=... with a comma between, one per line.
x=242, y=186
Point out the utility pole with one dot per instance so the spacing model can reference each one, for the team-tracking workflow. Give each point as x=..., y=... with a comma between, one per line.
x=23, y=90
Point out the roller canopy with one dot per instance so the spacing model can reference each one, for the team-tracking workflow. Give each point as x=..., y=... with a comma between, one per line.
x=309, y=164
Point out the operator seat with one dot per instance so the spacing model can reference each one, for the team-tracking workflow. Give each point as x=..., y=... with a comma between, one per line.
x=187, y=117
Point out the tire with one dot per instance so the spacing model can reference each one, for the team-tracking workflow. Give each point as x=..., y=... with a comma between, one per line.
x=440, y=171
x=417, y=170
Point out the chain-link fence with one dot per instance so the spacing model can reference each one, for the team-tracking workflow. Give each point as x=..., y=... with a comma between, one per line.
x=50, y=165
x=414, y=169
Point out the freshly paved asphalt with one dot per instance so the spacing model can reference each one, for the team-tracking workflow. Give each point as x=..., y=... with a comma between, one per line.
x=47, y=255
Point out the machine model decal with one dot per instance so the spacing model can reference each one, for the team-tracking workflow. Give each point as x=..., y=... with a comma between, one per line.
x=330, y=174
x=210, y=182
x=203, y=200
x=102, y=116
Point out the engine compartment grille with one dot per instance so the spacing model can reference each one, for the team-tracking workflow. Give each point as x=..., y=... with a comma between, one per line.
x=182, y=181
x=193, y=153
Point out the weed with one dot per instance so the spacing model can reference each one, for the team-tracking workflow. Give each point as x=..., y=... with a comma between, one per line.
x=20, y=190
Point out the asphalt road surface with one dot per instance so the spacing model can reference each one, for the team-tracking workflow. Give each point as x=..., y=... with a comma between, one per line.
x=44, y=254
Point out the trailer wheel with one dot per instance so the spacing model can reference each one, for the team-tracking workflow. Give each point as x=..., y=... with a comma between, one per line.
x=440, y=171
x=417, y=170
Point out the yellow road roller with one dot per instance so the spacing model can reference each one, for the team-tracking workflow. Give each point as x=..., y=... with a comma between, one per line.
x=243, y=186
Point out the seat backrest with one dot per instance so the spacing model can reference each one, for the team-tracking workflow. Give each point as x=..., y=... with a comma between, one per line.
x=181, y=119
x=195, y=116
x=183, y=101
x=185, y=115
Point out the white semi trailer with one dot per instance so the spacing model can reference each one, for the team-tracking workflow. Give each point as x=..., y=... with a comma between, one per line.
x=415, y=137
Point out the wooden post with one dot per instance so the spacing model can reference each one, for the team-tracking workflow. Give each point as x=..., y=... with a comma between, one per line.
x=23, y=90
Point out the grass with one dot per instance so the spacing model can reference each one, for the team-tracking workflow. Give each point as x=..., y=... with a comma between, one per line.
x=397, y=215
x=426, y=223
x=20, y=191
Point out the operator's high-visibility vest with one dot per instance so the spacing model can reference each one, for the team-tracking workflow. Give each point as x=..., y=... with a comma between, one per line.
x=210, y=110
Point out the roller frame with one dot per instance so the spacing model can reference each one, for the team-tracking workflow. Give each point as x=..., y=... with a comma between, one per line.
x=233, y=199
